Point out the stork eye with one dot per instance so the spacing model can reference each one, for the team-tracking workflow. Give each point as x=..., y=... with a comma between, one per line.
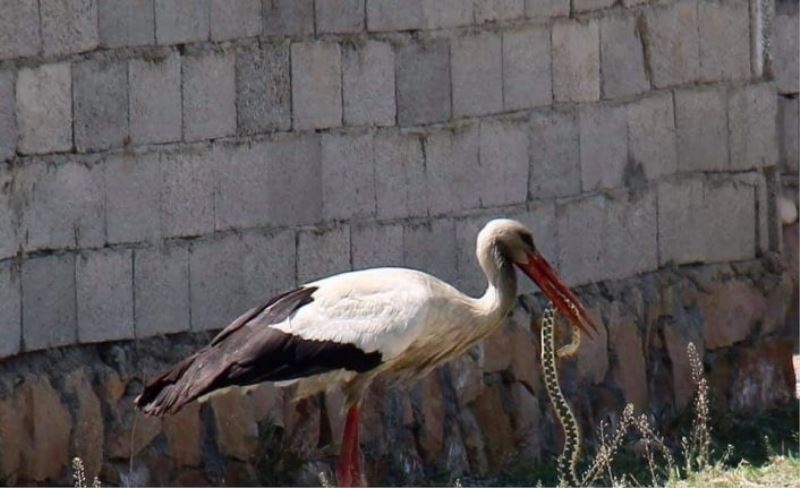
x=526, y=238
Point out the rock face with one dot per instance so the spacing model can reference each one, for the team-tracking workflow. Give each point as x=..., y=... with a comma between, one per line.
x=730, y=310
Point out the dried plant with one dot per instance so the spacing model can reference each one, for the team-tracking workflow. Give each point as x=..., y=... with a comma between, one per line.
x=79, y=475
x=696, y=447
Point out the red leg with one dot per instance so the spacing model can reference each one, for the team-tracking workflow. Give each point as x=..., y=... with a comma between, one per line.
x=348, y=470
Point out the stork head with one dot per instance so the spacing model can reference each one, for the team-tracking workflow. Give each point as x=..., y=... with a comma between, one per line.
x=506, y=240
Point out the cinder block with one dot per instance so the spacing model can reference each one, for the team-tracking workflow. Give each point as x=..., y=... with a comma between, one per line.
x=395, y=15
x=100, y=92
x=576, y=61
x=555, y=156
x=702, y=129
x=8, y=116
x=243, y=184
x=476, y=68
x=264, y=90
x=68, y=26
x=724, y=39
x=155, y=99
x=126, y=22
x=104, y=282
x=452, y=170
x=161, y=287
x=587, y=5
x=368, y=84
x=423, y=83
x=9, y=241
x=788, y=132
x=674, y=43
x=49, y=313
x=180, y=21
x=187, y=193
x=430, y=246
x=526, y=68
x=603, y=147
x=703, y=221
x=44, y=108
x=216, y=288
x=443, y=14
x=503, y=162
x=10, y=309
x=316, y=85
x=339, y=16
x=132, y=188
x=546, y=8
x=498, y=10
x=232, y=19
x=785, y=27
x=209, y=96
x=399, y=175
x=268, y=265
x=19, y=28
x=348, y=176
x=63, y=205
x=376, y=245
x=288, y=17
x=766, y=238
x=651, y=136
x=752, y=116
x=295, y=172
x=322, y=252
x=622, y=59
x=604, y=236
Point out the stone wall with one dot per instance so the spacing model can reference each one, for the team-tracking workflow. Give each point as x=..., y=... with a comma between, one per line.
x=167, y=164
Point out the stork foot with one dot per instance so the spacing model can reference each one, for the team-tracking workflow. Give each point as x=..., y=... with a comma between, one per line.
x=348, y=468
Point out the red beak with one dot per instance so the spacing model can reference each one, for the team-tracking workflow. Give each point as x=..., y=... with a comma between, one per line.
x=540, y=271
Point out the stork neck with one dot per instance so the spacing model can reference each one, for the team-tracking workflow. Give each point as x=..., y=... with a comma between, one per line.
x=501, y=290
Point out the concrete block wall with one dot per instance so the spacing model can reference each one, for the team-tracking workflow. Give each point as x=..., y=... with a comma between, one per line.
x=167, y=164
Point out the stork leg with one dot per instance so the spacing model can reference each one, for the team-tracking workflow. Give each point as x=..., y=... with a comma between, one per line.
x=348, y=469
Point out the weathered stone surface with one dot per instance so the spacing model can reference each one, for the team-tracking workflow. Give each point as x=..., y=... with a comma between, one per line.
x=216, y=289
x=19, y=28
x=232, y=19
x=235, y=425
x=498, y=10
x=592, y=357
x=429, y=246
x=288, y=17
x=161, y=287
x=495, y=424
x=100, y=93
x=268, y=264
x=497, y=348
x=377, y=245
x=187, y=193
x=399, y=174
x=576, y=61
x=622, y=57
x=322, y=253
x=263, y=89
x=628, y=367
x=339, y=16
x=724, y=39
x=368, y=86
x=209, y=96
x=88, y=423
x=348, y=176
x=132, y=184
x=68, y=26
x=467, y=376
x=316, y=85
x=752, y=115
x=180, y=21
x=44, y=108
x=431, y=436
x=546, y=8
x=48, y=302
x=10, y=310
x=295, y=190
x=554, y=154
x=243, y=180
x=8, y=116
x=184, y=433
x=441, y=14
x=267, y=400
x=702, y=129
x=731, y=311
x=503, y=162
x=587, y=5
x=389, y=15
x=155, y=99
x=789, y=133
x=423, y=83
x=526, y=68
x=677, y=336
x=104, y=281
x=123, y=441
x=785, y=26
x=526, y=421
x=651, y=137
x=764, y=376
x=673, y=39
x=603, y=146
x=452, y=170
x=9, y=237
x=126, y=22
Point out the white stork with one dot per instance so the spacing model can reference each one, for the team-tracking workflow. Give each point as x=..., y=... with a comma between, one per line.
x=347, y=330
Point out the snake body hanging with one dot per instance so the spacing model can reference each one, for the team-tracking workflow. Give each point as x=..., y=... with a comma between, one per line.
x=568, y=460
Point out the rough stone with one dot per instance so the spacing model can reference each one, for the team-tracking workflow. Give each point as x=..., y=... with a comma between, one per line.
x=48, y=302
x=126, y=23
x=576, y=61
x=161, y=287
x=752, y=115
x=591, y=359
x=423, y=83
x=674, y=43
x=232, y=19
x=19, y=28
x=316, y=85
x=377, y=245
x=184, y=433
x=393, y=15
x=764, y=377
x=587, y=5
x=368, y=85
x=243, y=180
x=44, y=108
x=495, y=424
x=452, y=169
x=724, y=39
x=8, y=116
x=100, y=92
x=122, y=440
x=187, y=193
x=503, y=162
x=339, y=16
x=525, y=366
x=104, y=281
x=498, y=10
x=622, y=57
x=432, y=410
x=88, y=425
x=789, y=133
x=268, y=265
x=526, y=421
x=467, y=377
x=263, y=88
x=215, y=285
x=785, y=65
x=295, y=191
x=9, y=238
x=731, y=310
x=235, y=425
x=348, y=176
x=10, y=310
x=603, y=146
x=702, y=129
x=526, y=68
x=132, y=184
x=476, y=70
x=267, y=400
x=628, y=368
x=209, y=96
x=651, y=136
x=68, y=26
x=399, y=174
x=322, y=253
x=155, y=99
x=429, y=246
x=496, y=350
x=554, y=154
x=288, y=17
x=181, y=21
x=442, y=14
x=546, y=8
